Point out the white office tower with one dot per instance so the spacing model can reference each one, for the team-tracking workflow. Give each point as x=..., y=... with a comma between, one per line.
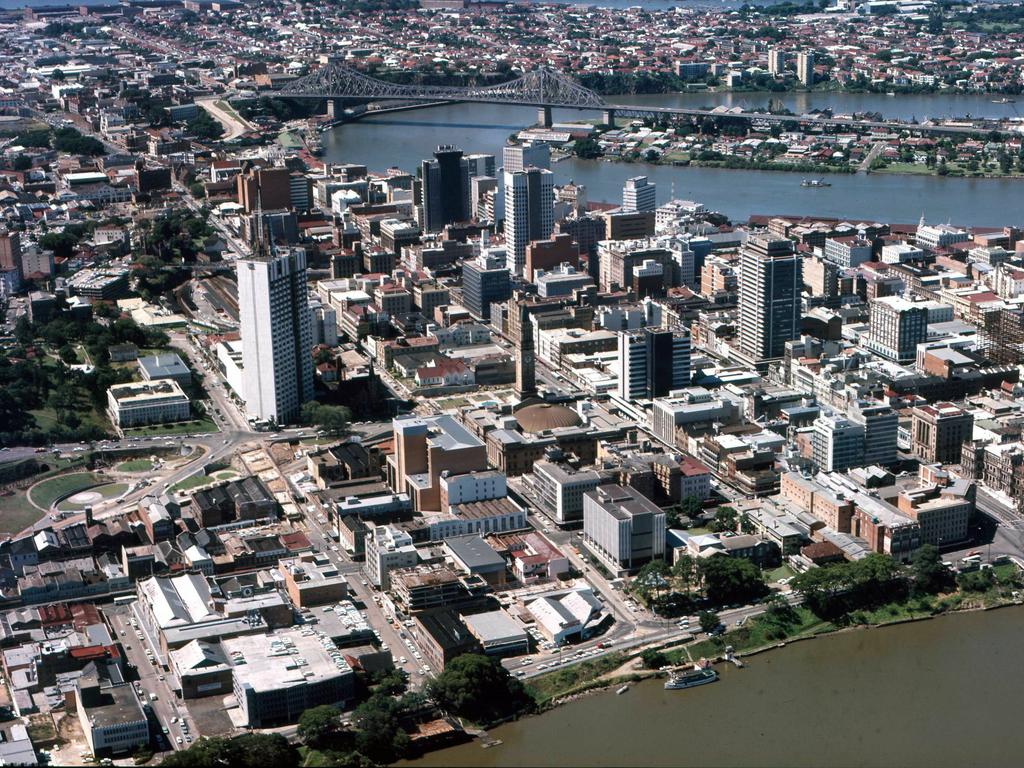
x=529, y=212
x=519, y=157
x=638, y=195
x=653, y=362
x=837, y=444
x=277, y=338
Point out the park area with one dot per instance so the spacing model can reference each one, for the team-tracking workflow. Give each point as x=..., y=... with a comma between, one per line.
x=46, y=492
x=90, y=496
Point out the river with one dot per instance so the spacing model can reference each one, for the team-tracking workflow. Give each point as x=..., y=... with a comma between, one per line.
x=403, y=139
x=932, y=694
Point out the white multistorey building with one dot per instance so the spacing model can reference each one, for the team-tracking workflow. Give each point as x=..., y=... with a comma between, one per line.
x=277, y=337
x=388, y=548
x=622, y=528
x=529, y=212
x=147, y=402
x=519, y=157
x=837, y=443
x=639, y=195
x=560, y=489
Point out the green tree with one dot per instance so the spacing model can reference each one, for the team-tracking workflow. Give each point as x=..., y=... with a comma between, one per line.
x=833, y=591
x=37, y=138
x=927, y=573
x=652, y=659
x=379, y=734
x=251, y=750
x=61, y=243
x=587, y=148
x=709, y=621
x=731, y=580
x=685, y=573
x=21, y=162
x=480, y=688
x=72, y=141
x=724, y=520
x=332, y=419
x=319, y=725
x=976, y=581
x=692, y=507
x=204, y=127
x=651, y=579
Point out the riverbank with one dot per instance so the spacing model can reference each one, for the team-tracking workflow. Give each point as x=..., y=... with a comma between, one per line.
x=961, y=668
x=760, y=635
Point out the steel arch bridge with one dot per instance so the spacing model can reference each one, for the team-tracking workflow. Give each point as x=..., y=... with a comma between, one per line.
x=543, y=87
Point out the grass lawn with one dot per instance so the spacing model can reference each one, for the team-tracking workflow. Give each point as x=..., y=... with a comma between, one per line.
x=135, y=465
x=191, y=482
x=194, y=427
x=225, y=474
x=782, y=572
x=225, y=106
x=698, y=531
x=44, y=493
x=566, y=679
x=751, y=635
x=914, y=168
x=17, y=513
x=313, y=758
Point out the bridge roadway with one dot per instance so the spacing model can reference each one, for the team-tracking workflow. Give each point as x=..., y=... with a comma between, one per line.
x=633, y=112
x=547, y=89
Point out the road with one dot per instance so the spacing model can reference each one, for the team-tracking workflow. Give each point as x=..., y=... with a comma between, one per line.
x=233, y=123
x=869, y=158
x=152, y=678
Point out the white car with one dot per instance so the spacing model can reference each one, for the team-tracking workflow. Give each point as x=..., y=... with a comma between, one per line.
x=404, y=660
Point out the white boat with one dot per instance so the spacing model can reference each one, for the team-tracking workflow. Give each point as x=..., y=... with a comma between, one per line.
x=690, y=678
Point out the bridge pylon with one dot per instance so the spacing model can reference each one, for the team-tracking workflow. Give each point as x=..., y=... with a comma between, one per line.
x=335, y=108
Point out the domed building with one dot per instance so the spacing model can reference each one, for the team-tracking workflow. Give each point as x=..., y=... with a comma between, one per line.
x=540, y=417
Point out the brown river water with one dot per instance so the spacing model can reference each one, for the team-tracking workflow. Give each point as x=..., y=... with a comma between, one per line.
x=945, y=692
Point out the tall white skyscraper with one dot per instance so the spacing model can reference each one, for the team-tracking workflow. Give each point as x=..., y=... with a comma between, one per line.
x=805, y=68
x=529, y=212
x=519, y=157
x=277, y=337
x=638, y=195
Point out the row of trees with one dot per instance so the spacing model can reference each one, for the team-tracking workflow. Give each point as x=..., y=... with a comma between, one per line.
x=837, y=590
x=471, y=686
x=251, y=750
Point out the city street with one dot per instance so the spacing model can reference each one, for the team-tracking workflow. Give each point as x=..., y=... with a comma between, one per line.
x=153, y=678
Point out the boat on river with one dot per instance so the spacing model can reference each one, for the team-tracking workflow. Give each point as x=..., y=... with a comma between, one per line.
x=814, y=183
x=690, y=678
